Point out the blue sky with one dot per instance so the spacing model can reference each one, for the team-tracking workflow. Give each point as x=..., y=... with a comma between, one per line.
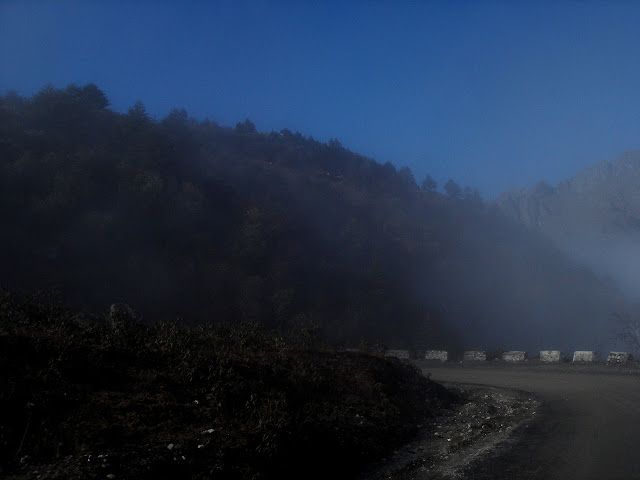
x=491, y=94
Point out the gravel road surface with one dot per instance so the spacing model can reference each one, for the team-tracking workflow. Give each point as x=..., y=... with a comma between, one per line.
x=589, y=427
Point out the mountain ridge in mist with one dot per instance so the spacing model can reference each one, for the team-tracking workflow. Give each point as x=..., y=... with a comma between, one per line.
x=594, y=216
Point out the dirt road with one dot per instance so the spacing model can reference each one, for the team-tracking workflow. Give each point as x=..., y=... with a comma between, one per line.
x=590, y=427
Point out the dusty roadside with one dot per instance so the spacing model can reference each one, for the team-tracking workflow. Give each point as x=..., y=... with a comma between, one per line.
x=587, y=427
x=486, y=422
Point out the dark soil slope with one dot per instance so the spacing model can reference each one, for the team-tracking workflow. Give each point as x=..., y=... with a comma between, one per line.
x=113, y=398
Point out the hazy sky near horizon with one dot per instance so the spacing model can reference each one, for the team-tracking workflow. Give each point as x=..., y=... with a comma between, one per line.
x=492, y=94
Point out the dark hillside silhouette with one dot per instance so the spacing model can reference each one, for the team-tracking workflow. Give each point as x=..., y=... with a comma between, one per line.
x=188, y=218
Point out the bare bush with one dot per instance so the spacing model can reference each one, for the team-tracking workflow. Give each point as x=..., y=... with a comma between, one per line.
x=628, y=330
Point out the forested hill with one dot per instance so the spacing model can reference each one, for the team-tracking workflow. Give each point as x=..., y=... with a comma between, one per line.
x=187, y=218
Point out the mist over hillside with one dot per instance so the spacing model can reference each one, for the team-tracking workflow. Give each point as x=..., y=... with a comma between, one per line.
x=186, y=218
x=593, y=217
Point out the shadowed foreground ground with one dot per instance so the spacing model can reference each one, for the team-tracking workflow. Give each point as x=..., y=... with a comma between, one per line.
x=88, y=397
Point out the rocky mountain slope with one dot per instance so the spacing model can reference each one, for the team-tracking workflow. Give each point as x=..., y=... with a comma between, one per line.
x=594, y=216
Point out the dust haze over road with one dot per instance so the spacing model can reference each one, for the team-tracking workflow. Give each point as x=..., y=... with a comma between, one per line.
x=590, y=428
